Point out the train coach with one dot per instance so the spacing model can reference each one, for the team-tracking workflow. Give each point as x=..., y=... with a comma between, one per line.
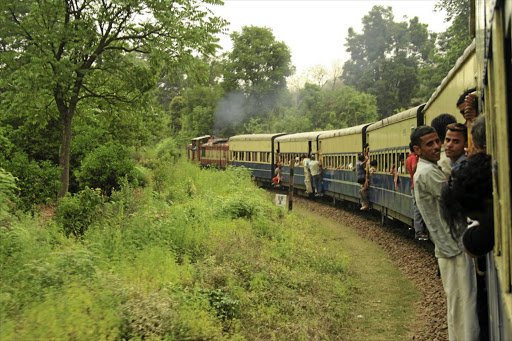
x=255, y=152
x=388, y=142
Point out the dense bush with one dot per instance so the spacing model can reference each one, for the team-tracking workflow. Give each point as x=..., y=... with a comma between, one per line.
x=105, y=167
x=38, y=182
x=7, y=193
x=75, y=212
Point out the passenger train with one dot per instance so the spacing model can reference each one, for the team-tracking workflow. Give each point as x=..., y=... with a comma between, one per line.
x=485, y=65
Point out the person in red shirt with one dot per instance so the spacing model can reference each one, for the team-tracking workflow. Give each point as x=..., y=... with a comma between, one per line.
x=420, y=230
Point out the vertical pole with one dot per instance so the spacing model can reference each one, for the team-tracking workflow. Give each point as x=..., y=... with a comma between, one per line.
x=290, y=188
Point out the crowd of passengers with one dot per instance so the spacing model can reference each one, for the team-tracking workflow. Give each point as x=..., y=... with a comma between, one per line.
x=452, y=187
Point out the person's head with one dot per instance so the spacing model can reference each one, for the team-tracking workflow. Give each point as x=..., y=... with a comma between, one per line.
x=426, y=143
x=440, y=122
x=373, y=163
x=478, y=133
x=411, y=148
x=455, y=140
x=461, y=100
x=361, y=157
x=312, y=157
x=468, y=192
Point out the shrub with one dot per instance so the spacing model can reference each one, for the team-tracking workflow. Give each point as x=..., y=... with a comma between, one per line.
x=7, y=189
x=76, y=212
x=105, y=168
x=168, y=150
x=38, y=182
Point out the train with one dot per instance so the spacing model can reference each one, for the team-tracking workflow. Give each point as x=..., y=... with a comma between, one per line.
x=486, y=65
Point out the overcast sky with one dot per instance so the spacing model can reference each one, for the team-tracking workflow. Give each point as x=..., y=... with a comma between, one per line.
x=315, y=30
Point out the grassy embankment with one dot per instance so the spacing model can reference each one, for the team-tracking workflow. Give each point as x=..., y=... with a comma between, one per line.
x=383, y=299
x=194, y=255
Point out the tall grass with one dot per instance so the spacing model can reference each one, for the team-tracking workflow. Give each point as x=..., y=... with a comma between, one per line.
x=194, y=255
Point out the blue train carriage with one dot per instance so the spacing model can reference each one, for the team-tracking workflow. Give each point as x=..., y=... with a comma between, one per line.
x=388, y=141
x=255, y=152
x=339, y=151
x=289, y=147
x=461, y=77
x=493, y=19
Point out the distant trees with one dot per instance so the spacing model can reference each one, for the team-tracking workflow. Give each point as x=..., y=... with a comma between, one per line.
x=60, y=58
x=256, y=70
x=386, y=58
x=450, y=44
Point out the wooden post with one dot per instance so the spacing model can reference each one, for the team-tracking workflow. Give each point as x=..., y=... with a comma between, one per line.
x=290, y=187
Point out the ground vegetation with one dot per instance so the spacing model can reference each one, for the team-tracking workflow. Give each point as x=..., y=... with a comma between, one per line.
x=194, y=254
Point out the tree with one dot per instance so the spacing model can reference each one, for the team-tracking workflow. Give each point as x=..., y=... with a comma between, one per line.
x=58, y=55
x=257, y=67
x=450, y=44
x=386, y=57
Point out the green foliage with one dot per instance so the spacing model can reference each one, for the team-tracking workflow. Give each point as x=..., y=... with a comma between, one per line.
x=254, y=77
x=207, y=255
x=37, y=181
x=386, y=57
x=258, y=63
x=450, y=44
x=8, y=189
x=105, y=168
x=76, y=212
x=60, y=59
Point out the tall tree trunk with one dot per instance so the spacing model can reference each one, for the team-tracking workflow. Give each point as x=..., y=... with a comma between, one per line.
x=65, y=153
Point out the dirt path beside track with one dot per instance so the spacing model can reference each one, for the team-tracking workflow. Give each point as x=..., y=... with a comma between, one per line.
x=381, y=295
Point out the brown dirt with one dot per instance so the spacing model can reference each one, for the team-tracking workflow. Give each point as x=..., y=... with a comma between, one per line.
x=414, y=259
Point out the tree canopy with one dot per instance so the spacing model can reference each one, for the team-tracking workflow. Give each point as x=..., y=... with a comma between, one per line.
x=386, y=57
x=60, y=57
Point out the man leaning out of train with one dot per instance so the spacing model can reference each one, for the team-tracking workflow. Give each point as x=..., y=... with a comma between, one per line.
x=456, y=267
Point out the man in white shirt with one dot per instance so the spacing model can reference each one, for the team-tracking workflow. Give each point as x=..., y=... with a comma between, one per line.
x=456, y=267
x=316, y=171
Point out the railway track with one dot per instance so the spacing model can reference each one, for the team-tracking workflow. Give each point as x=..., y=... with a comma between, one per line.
x=415, y=259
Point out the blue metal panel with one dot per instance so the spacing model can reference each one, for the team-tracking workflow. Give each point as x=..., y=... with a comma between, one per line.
x=382, y=187
x=382, y=192
x=258, y=170
x=298, y=175
x=342, y=182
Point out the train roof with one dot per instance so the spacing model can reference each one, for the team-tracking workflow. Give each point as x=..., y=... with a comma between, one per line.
x=342, y=132
x=308, y=136
x=201, y=137
x=254, y=137
x=401, y=116
x=460, y=62
x=215, y=141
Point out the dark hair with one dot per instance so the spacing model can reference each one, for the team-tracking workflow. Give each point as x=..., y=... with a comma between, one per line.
x=419, y=132
x=440, y=122
x=478, y=131
x=411, y=148
x=360, y=157
x=373, y=163
x=460, y=128
x=462, y=97
x=468, y=186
